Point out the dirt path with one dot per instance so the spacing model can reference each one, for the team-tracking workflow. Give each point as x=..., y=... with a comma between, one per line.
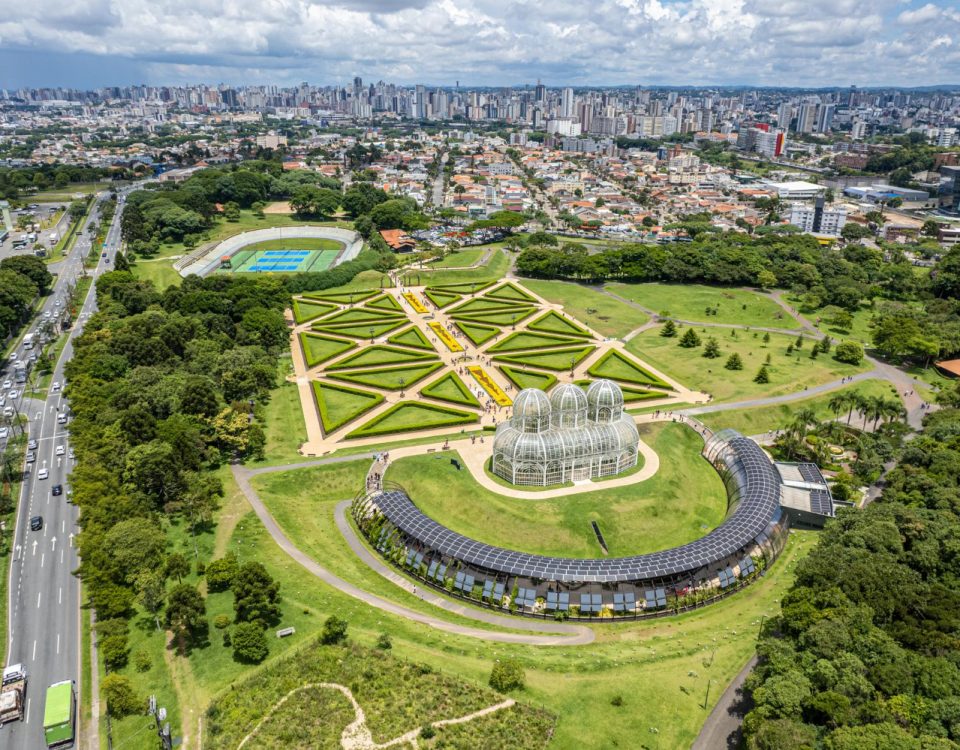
x=356, y=735
x=188, y=696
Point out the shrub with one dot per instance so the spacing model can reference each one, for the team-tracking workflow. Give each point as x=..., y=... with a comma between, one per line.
x=712, y=349
x=220, y=573
x=428, y=732
x=384, y=642
x=669, y=329
x=734, y=362
x=507, y=675
x=762, y=376
x=221, y=621
x=849, y=352
x=617, y=701
x=121, y=699
x=114, y=650
x=249, y=643
x=142, y=661
x=334, y=631
x=690, y=339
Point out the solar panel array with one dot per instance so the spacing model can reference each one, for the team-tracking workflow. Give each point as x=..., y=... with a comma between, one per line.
x=747, y=567
x=810, y=473
x=759, y=502
x=655, y=598
x=590, y=603
x=820, y=502
x=526, y=597
x=624, y=602
x=558, y=601
x=727, y=578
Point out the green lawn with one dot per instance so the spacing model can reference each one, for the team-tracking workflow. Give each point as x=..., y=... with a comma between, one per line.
x=409, y=416
x=440, y=299
x=605, y=314
x=561, y=359
x=360, y=315
x=66, y=194
x=359, y=330
x=527, y=340
x=319, y=348
x=680, y=503
x=553, y=322
x=477, y=332
x=283, y=422
x=160, y=271
x=511, y=292
x=452, y=389
x=660, y=667
x=413, y=337
x=393, y=378
x=495, y=318
x=339, y=404
x=788, y=374
x=460, y=258
x=380, y=355
x=385, y=302
x=528, y=378
x=615, y=366
x=363, y=281
x=493, y=270
x=767, y=418
x=304, y=311
x=690, y=301
x=481, y=305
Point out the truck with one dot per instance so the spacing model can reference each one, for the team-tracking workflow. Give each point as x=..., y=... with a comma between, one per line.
x=59, y=714
x=28, y=340
x=13, y=694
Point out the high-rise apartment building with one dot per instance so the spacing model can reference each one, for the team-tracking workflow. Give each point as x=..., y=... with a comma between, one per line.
x=807, y=117
x=818, y=218
x=566, y=103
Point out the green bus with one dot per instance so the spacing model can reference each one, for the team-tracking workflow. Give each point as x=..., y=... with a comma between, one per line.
x=59, y=713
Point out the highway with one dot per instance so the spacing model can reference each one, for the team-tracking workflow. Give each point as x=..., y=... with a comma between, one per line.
x=44, y=595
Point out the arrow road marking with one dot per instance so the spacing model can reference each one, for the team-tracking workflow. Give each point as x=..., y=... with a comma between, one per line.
x=54, y=540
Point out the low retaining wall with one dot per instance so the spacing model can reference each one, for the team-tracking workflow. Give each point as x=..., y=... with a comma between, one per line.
x=210, y=260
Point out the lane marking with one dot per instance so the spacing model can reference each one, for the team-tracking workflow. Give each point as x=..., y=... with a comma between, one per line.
x=38, y=599
x=34, y=657
x=58, y=643
x=43, y=556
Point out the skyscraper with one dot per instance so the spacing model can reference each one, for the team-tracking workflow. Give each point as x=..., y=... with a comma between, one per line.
x=807, y=117
x=566, y=103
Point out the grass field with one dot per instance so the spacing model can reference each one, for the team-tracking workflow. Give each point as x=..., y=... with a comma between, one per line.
x=618, y=367
x=680, y=503
x=318, y=348
x=392, y=379
x=452, y=389
x=466, y=257
x=407, y=416
x=767, y=418
x=283, y=421
x=553, y=322
x=690, y=302
x=528, y=378
x=67, y=193
x=788, y=374
x=158, y=270
x=603, y=313
x=339, y=404
x=557, y=360
x=381, y=355
x=661, y=668
x=493, y=270
x=525, y=340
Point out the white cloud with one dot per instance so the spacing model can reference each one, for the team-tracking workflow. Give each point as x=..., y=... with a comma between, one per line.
x=792, y=42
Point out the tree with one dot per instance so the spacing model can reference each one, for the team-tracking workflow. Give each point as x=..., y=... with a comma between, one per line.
x=852, y=232
x=763, y=375
x=712, y=349
x=766, y=279
x=690, y=339
x=249, y=643
x=120, y=696
x=734, y=362
x=256, y=596
x=221, y=572
x=334, y=631
x=507, y=674
x=136, y=545
x=151, y=591
x=32, y=267
x=186, y=615
x=669, y=329
x=849, y=352
x=177, y=567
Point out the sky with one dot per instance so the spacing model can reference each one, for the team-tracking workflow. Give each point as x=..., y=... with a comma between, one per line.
x=806, y=43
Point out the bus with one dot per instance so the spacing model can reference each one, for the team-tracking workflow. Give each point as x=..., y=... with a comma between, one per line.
x=59, y=714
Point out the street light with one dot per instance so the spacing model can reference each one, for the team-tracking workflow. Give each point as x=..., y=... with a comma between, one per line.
x=371, y=334
x=402, y=383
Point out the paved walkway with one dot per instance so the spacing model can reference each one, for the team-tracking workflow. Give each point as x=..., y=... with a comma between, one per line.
x=564, y=635
x=722, y=728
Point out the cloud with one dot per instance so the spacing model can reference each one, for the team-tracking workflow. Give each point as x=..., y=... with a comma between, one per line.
x=496, y=42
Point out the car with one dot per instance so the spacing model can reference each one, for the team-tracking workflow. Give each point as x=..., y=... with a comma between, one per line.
x=55, y=386
x=31, y=456
x=57, y=489
x=13, y=393
x=103, y=254
x=4, y=432
x=7, y=384
x=60, y=450
x=32, y=444
x=62, y=419
x=36, y=523
x=3, y=401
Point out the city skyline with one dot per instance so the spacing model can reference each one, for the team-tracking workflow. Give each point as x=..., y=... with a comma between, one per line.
x=482, y=43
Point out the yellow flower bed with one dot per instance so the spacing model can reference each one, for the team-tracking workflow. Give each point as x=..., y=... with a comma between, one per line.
x=487, y=383
x=446, y=337
x=415, y=303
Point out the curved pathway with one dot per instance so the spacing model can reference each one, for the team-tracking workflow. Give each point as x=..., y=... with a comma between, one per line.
x=566, y=635
x=722, y=729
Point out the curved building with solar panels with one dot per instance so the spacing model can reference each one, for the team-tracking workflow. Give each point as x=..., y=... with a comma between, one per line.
x=570, y=436
x=733, y=554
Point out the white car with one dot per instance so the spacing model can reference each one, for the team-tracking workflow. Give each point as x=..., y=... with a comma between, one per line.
x=43, y=473
x=4, y=432
x=62, y=419
x=14, y=393
x=7, y=384
x=61, y=450
x=55, y=386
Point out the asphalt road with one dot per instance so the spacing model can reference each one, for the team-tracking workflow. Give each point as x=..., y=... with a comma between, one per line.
x=44, y=595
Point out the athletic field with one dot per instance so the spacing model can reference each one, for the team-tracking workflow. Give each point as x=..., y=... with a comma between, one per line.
x=286, y=256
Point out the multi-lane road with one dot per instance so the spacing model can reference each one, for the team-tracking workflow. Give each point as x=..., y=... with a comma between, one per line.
x=44, y=595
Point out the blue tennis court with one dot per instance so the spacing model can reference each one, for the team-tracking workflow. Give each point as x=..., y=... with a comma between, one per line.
x=284, y=261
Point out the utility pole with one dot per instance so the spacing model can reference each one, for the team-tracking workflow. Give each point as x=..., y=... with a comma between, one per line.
x=163, y=726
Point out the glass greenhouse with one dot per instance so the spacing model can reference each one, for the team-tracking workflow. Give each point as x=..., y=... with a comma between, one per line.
x=571, y=436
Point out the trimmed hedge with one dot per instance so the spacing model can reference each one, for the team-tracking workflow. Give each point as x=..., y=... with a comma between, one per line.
x=441, y=299
x=380, y=356
x=412, y=337
x=556, y=360
x=304, y=311
x=511, y=291
x=630, y=394
x=361, y=315
x=528, y=378
x=530, y=340
x=329, y=348
x=361, y=398
x=359, y=330
x=468, y=287
x=614, y=366
x=477, y=333
x=554, y=322
x=497, y=318
x=441, y=390
x=385, y=302
x=388, y=378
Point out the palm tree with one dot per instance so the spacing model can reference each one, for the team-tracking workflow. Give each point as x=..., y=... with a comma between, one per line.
x=838, y=402
x=876, y=408
x=858, y=403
